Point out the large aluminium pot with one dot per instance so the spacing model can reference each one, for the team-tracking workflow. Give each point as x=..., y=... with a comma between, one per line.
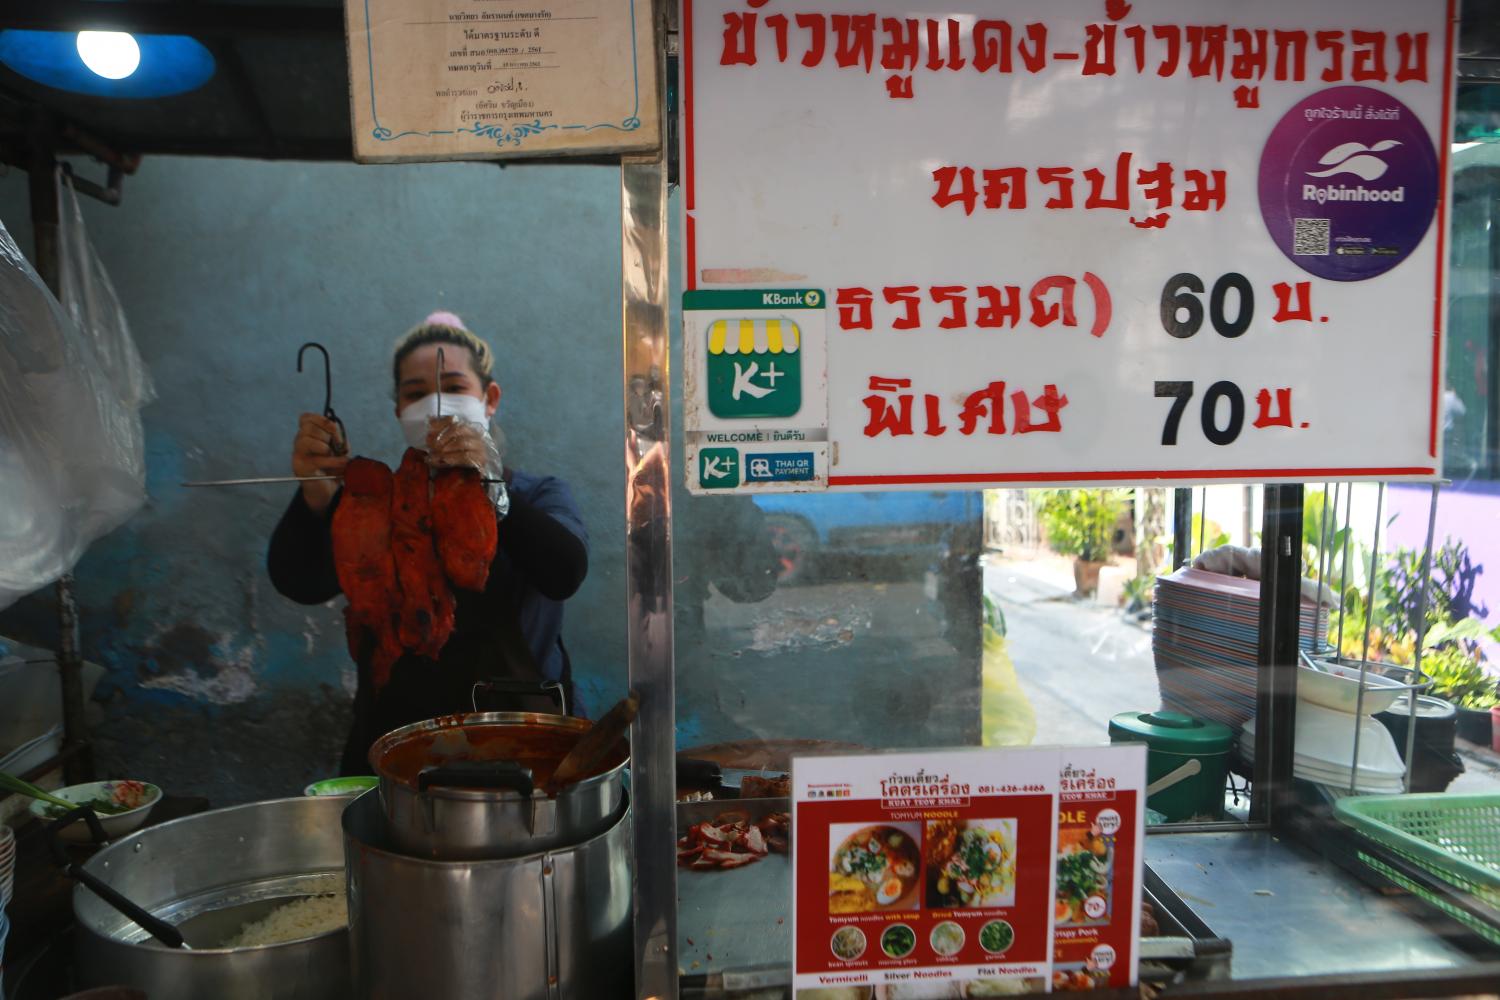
x=466, y=787
x=549, y=926
x=209, y=874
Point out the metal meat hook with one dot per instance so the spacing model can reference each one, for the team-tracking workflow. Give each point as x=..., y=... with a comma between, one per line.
x=340, y=446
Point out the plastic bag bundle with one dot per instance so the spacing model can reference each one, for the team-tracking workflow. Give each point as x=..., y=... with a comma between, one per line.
x=72, y=464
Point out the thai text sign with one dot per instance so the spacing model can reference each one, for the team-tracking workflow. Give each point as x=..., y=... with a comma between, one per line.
x=1079, y=241
x=488, y=80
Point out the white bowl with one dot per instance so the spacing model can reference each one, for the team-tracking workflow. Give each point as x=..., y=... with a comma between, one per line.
x=1325, y=742
x=115, y=826
x=1336, y=686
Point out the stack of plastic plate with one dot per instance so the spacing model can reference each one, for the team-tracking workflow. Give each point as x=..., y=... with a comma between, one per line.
x=1325, y=750
x=1206, y=640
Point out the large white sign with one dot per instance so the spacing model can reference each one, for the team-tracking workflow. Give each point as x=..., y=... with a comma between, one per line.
x=488, y=80
x=1079, y=241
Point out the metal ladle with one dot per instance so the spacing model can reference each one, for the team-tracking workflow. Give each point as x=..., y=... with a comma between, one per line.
x=158, y=928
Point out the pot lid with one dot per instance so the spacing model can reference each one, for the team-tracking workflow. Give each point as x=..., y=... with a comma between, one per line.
x=1427, y=707
x=1175, y=732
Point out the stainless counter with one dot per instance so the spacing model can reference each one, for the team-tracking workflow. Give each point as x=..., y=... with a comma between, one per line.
x=1291, y=913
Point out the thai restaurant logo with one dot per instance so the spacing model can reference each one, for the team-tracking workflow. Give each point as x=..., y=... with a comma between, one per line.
x=899, y=791
x=1366, y=163
x=1081, y=781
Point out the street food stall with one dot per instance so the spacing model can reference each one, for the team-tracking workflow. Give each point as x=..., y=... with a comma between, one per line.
x=1036, y=426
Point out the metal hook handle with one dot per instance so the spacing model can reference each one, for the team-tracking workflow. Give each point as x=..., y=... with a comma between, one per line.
x=338, y=447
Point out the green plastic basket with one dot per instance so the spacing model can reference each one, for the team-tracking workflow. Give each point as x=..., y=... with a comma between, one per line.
x=1453, y=837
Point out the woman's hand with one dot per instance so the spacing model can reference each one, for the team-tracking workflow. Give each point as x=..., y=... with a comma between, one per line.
x=313, y=454
x=454, y=443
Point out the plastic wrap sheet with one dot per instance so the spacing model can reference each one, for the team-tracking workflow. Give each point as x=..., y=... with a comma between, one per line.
x=72, y=461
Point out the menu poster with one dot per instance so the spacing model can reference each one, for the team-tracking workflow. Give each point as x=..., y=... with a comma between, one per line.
x=495, y=79
x=924, y=873
x=1101, y=831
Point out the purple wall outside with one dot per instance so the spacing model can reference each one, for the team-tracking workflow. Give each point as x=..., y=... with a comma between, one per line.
x=1469, y=513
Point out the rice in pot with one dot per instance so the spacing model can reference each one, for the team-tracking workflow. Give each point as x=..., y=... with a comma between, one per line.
x=306, y=917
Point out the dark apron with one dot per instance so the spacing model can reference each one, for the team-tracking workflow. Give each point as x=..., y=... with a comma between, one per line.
x=487, y=664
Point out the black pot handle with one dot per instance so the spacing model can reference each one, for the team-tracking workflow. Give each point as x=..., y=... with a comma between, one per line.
x=477, y=774
x=536, y=689
x=155, y=926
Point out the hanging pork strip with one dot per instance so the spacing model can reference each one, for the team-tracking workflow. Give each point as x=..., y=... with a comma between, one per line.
x=464, y=525
x=426, y=619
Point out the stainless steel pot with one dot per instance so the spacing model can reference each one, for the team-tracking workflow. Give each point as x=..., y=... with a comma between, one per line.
x=209, y=874
x=548, y=926
x=451, y=789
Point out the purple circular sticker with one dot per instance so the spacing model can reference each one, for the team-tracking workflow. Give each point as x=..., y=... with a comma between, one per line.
x=1348, y=183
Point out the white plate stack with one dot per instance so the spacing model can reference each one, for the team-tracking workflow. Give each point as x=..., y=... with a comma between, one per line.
x=1325, y=750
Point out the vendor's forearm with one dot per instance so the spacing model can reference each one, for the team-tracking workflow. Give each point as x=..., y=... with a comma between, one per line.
x=552, y=558
x=300, y=557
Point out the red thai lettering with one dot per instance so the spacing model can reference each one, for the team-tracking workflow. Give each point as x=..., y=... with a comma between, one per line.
x=1002, y=182
x=854, y=40
x=911, y=302
x=1137, y=35
x=1286, y=310
x=780, y=29
x=1250, y=54
x=955, y=296
x=816, y=26
x=1034, y=56
x=902, y=45
x=1332, y=42
x=1283, y=415
x=1096, y=178
x=947, y=194
x=1369, y=56
x=1204, y=190
x=1099, y=50
x=899, y=88
x=998, y=308
x=1172, y=35
x=884, y=418
x=935, y=426
x=1050, y=402
x=1411, y=57
x=1206, y=50
x=1156, y=184
x=987, y=404
x=739, y=39
x=1291, y=55
x=1063, y=178
x=1246, y=96
x=992, y=46
x=1043, y=313
x=855, y=312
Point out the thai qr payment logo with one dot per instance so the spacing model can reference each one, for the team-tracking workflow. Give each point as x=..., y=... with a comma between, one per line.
x=754, y=367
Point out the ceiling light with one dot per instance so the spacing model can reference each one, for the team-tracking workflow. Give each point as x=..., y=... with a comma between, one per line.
x=113, y=55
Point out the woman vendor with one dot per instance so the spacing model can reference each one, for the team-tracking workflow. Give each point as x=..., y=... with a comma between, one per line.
x=512, y=631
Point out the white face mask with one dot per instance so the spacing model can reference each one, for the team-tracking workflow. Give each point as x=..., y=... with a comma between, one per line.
x=414, y=416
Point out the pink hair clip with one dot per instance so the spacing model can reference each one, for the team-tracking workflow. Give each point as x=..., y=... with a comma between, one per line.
x=444, y=318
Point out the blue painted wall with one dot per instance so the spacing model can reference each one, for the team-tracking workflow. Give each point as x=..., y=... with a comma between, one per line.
x=217, y=685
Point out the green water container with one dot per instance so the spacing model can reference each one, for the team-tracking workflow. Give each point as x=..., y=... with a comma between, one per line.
x=1172, y=740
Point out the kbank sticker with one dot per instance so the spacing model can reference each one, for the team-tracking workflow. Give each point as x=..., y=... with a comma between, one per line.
x=754, y=367
x=1348, y=183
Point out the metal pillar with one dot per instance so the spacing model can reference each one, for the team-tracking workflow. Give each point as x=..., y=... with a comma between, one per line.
x=1280, y=612
x=648, y=542
x=45, y=221
x=1182, y=527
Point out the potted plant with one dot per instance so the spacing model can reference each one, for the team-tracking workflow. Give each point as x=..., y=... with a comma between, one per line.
x=1081, y=524
x=1458, y=677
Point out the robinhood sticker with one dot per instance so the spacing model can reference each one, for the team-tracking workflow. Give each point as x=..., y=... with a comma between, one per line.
x=1348, y=183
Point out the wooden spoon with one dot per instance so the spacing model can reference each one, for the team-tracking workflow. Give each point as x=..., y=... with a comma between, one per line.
x=597, y=742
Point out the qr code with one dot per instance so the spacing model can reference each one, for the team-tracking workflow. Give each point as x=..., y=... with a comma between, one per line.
x=1310, y=238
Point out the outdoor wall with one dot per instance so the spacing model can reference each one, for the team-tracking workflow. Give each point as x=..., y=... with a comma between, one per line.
x=216, y=684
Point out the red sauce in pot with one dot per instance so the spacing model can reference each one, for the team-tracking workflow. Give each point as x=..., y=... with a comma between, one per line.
x=539, y=748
